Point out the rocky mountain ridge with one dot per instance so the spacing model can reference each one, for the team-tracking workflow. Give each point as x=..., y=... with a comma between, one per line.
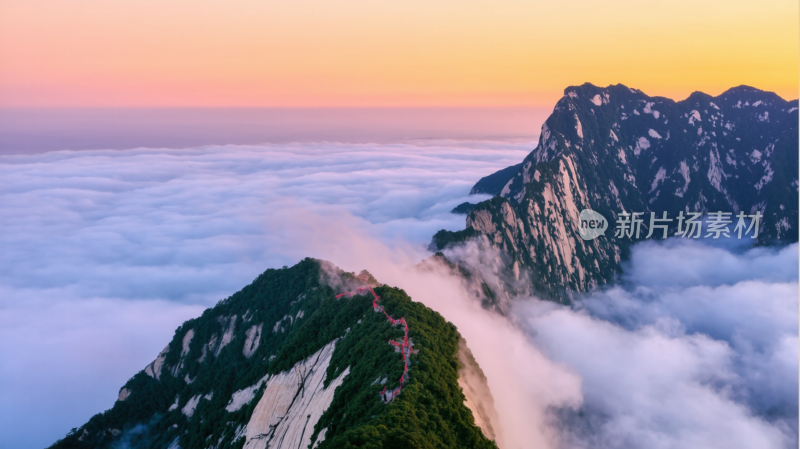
x=616, y=150
x=291, y=362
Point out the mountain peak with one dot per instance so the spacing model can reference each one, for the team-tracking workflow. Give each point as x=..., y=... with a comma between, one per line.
x=742, y=92
x=617, y=149
x=750, y=94
x=698, y=97
x=288, y=358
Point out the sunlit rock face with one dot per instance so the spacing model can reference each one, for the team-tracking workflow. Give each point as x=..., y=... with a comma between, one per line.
x=616, y=150
x=292, y=403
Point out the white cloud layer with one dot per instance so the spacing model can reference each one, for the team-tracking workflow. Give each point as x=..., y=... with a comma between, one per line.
x=105, y=253
x=697, y=349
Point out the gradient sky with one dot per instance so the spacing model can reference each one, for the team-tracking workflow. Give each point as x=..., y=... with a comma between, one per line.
x=378, y=53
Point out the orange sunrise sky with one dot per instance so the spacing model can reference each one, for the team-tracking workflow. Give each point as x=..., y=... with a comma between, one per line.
x=308, y=53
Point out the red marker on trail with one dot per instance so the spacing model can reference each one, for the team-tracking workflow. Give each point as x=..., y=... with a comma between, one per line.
x=404, y=347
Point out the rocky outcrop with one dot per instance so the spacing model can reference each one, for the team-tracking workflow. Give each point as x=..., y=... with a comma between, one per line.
x=253, y=339
x=476, y=389
x=292, y=403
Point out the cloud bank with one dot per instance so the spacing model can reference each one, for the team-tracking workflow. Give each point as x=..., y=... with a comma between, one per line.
x=697, y=348
x=105, y=253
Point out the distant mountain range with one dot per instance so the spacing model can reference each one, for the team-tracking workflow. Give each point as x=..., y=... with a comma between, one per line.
x=285, y=363
x=616, y=150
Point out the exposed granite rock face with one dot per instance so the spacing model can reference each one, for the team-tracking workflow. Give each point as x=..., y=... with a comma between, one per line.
x=616, y=150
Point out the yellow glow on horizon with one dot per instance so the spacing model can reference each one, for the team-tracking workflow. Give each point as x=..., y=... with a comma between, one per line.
x=367, y=53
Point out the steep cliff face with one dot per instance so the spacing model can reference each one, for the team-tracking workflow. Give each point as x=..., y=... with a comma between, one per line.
x=285, y=363
x=616, y=150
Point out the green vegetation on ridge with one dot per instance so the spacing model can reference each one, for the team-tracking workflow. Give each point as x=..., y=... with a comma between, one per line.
x=429, y=413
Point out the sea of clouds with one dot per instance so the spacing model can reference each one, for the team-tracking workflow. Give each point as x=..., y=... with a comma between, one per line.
x=105, y=253
x=697, y=347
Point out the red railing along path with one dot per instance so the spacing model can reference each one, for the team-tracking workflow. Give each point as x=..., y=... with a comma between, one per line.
x=404, y=347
